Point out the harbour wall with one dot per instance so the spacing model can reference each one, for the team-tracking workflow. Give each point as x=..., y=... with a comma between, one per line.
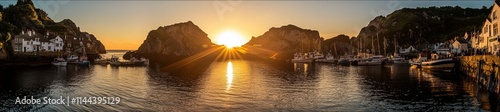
x=483, y=70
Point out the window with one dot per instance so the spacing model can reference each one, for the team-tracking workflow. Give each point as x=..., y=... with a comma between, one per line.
x=495, y=29
x=494, y=16
x=485, y=30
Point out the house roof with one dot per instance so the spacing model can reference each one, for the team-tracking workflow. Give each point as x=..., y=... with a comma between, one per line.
x=43, y=39
x=461, y=40
x=26, y=37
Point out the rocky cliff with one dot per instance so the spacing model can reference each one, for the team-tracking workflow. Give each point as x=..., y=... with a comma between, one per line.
x=24, y=16
x=412, y=26
x=287, y=40
x=177, y=40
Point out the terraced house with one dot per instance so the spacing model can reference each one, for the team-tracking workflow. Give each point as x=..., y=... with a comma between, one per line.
x=489, y=38
x=30, y=41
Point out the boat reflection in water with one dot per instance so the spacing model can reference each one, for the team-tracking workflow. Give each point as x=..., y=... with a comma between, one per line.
x=237, y=85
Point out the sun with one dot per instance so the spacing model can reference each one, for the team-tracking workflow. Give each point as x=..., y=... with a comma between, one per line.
x=230, y=39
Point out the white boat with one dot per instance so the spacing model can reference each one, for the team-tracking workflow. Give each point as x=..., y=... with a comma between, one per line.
x=318, y=55
x=328, y=59
x=59, y=62
x=438, y=63
x=145, y=61
x=399, y=60
x=83, y=59
x=302, y=58
x=374, y=60
x=101, y=60
x=421, y=58
x=344, y=60
x=72, y=59
x=138, y=62
x=114, y=61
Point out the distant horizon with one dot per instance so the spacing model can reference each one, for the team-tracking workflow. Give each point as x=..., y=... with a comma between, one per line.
x=123, y=25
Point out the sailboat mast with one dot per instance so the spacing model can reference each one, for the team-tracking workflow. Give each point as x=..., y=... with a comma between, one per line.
x=373, y=47
x=385, y=46
x=378, y=44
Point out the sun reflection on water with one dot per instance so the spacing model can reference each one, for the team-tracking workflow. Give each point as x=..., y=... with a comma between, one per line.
x=229, y=75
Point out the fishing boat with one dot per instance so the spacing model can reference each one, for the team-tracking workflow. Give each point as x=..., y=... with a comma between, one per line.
x=83, y=59
x=101, y=60
x=302, y=58
x=399, y=60
x=344, y=61
x=59, y=62
x=72, y=59
x=114, y=61
x=438, y=63
x=318, y=55
x=417, y=62
x=328, y=59
x=138, y=62
x=374, y=60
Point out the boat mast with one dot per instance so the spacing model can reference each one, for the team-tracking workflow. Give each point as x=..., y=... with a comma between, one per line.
x=378, y=44
x=373, y=47
x=385, y=46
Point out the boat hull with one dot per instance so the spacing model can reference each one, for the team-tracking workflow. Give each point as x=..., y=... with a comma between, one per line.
x=448, y=63
x=344, y=62
x=84, y=63
x=401, y=62
x=303, y=61
x=369, y=63
x=59, y=63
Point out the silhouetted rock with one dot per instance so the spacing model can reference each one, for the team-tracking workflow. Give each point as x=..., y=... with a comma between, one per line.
x=286, y=40
x=177, y=40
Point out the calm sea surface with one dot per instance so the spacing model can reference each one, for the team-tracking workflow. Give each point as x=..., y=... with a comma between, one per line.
x=240, y=85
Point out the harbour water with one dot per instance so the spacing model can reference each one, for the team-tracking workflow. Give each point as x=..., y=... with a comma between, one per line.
x=236, y=85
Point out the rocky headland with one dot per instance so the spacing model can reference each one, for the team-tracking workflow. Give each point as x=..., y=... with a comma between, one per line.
x=24, y=16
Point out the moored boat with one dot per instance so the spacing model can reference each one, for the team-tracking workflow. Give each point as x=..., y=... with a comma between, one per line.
x=83, y=59
x=399, y=60
x=344, y=61
x=59, y=62
x=372, y=61
x=114, y=61
x=72, y=59
x=302, y=58
x=438, y=63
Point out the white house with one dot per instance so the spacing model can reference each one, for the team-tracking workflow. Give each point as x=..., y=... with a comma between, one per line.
x=31, y=42
x=407, y=50
x=489, y=38
x=26, y=42
x=58, y=43
x=460, y=45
